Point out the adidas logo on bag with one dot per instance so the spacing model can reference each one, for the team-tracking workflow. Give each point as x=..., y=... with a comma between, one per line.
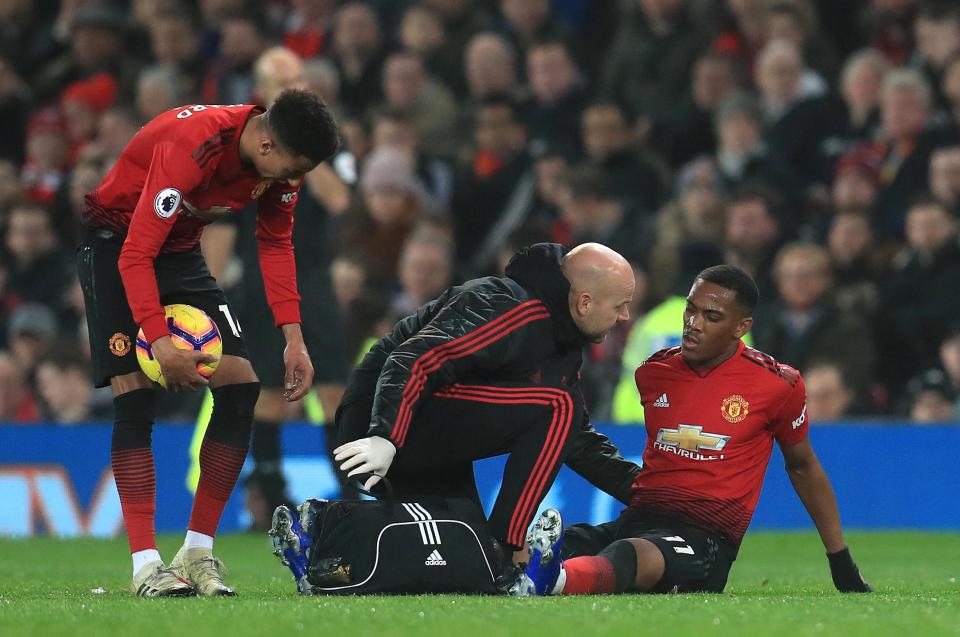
x=435, y=559
x=662, y=401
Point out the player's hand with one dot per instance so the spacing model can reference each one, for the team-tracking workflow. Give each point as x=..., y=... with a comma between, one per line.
x=367, y=455
x=299, y=370
x=846, y=575
x=179, y=366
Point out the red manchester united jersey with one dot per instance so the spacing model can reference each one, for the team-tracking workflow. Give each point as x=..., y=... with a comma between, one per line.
x=710, y=434
x=180, y=172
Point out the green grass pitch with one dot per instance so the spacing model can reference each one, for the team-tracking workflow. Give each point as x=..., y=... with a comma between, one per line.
x=780, y=585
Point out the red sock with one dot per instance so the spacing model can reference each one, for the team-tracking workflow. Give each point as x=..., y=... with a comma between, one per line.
x=137, y=485
x=220, y=466
x=589, y=575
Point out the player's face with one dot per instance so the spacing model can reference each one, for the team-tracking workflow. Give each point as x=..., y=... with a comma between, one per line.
x=712, y=324
x=274, y=162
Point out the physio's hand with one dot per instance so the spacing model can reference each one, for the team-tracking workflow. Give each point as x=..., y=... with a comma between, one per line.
x=298, y=377
x=367, y=455
x=846, y=575
x=179, y=366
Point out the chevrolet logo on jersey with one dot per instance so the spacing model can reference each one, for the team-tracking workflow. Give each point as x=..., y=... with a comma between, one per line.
x=686, y=440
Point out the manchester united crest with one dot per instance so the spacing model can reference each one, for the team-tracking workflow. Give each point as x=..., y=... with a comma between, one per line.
x=734, y=408
x=119, y=344
x=260, y=188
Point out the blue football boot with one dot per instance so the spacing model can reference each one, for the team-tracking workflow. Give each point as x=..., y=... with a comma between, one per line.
x=291, y=540
x=545, y=542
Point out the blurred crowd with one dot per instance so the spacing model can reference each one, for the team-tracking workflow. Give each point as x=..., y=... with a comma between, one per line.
x=814, y=143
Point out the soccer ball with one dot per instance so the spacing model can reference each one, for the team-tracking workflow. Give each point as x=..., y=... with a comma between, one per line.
x=190, y=328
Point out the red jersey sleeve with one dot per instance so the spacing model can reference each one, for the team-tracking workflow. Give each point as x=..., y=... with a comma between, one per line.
x=172, y=173
x=791, y=424
x=275, y=249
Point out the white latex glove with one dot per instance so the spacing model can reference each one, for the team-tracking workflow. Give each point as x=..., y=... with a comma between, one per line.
x=367, y=455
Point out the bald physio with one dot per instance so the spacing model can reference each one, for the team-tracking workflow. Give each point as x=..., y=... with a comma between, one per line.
x=601, y=289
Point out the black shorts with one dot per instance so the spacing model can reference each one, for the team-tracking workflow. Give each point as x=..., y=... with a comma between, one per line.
x=323, y=332
x=695, y=560
x=181, y=278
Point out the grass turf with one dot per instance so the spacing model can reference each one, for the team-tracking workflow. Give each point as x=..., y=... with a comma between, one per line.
x=780, y=585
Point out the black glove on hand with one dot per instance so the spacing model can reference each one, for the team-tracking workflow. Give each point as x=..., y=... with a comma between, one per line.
x=846, y=575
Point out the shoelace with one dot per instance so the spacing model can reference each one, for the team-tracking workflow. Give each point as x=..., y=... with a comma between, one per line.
x=211, y=567
x=163, y=574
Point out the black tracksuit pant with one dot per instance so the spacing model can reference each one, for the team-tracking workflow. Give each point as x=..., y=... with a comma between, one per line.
x=461, y=423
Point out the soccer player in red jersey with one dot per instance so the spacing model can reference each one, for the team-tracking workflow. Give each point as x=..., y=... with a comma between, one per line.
x=713, y=409
x=140, y=251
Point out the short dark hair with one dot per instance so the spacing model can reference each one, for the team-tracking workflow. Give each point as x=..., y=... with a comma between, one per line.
x=500, y=100
x=588, y=182
x=303, y=125
x=733, y=278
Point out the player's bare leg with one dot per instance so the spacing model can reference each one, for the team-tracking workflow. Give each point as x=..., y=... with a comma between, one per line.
x=131, y=458
x=235, y=389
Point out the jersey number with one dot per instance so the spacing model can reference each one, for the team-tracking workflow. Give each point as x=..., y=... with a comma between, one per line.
x=234, y=325
x=688, y=550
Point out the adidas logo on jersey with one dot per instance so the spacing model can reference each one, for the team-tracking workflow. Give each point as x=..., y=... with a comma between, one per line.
x=435, y=559
x=662, y=401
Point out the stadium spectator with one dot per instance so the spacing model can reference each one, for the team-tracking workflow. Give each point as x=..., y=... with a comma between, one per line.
x=490, y=65
x=31, y=334
x=38, y=268
x=857, y=263
x=906, y=140
x=861, y=84
x=528, y=22
x=229, y=80
x=797, y=118
x=663, y=542
x=807, y=324
x=11, y=190
x=63, y=382
x=431, y=106
x=931, y=397
x=795, y=21
x=358, y=53
x=426, y=270
x=496, y=182
x=82, y=103
x=592, y=212
x=687, y=129
x=175, y=39
x=742, y=156
x=307, y=27
x=857, y=182
x=695, y=215
x=937, y=36
x=422, y=31
x=945, y=177
x=635, y=176
x=96, y=44
x=649, y=62
x=752, y=234
x=159, y=89
x=27, y=39
x=392, y=201
x=17, y=403
x=919, y=293
x=396, y=129
x=118, y=125
x=558, y=96
x=46, y=157
x=829, y=397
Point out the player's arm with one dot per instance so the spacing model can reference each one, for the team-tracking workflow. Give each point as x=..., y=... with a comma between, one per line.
x=172, y=174
x=813, y=487
x=279, y=269
x=598, y=461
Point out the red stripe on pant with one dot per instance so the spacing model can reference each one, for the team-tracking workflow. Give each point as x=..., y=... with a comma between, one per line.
x=535, y=486
x=465, y=345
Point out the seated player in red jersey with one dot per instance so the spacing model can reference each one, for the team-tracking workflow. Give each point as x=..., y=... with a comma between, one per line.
x=714, y=408
x=141, y=250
